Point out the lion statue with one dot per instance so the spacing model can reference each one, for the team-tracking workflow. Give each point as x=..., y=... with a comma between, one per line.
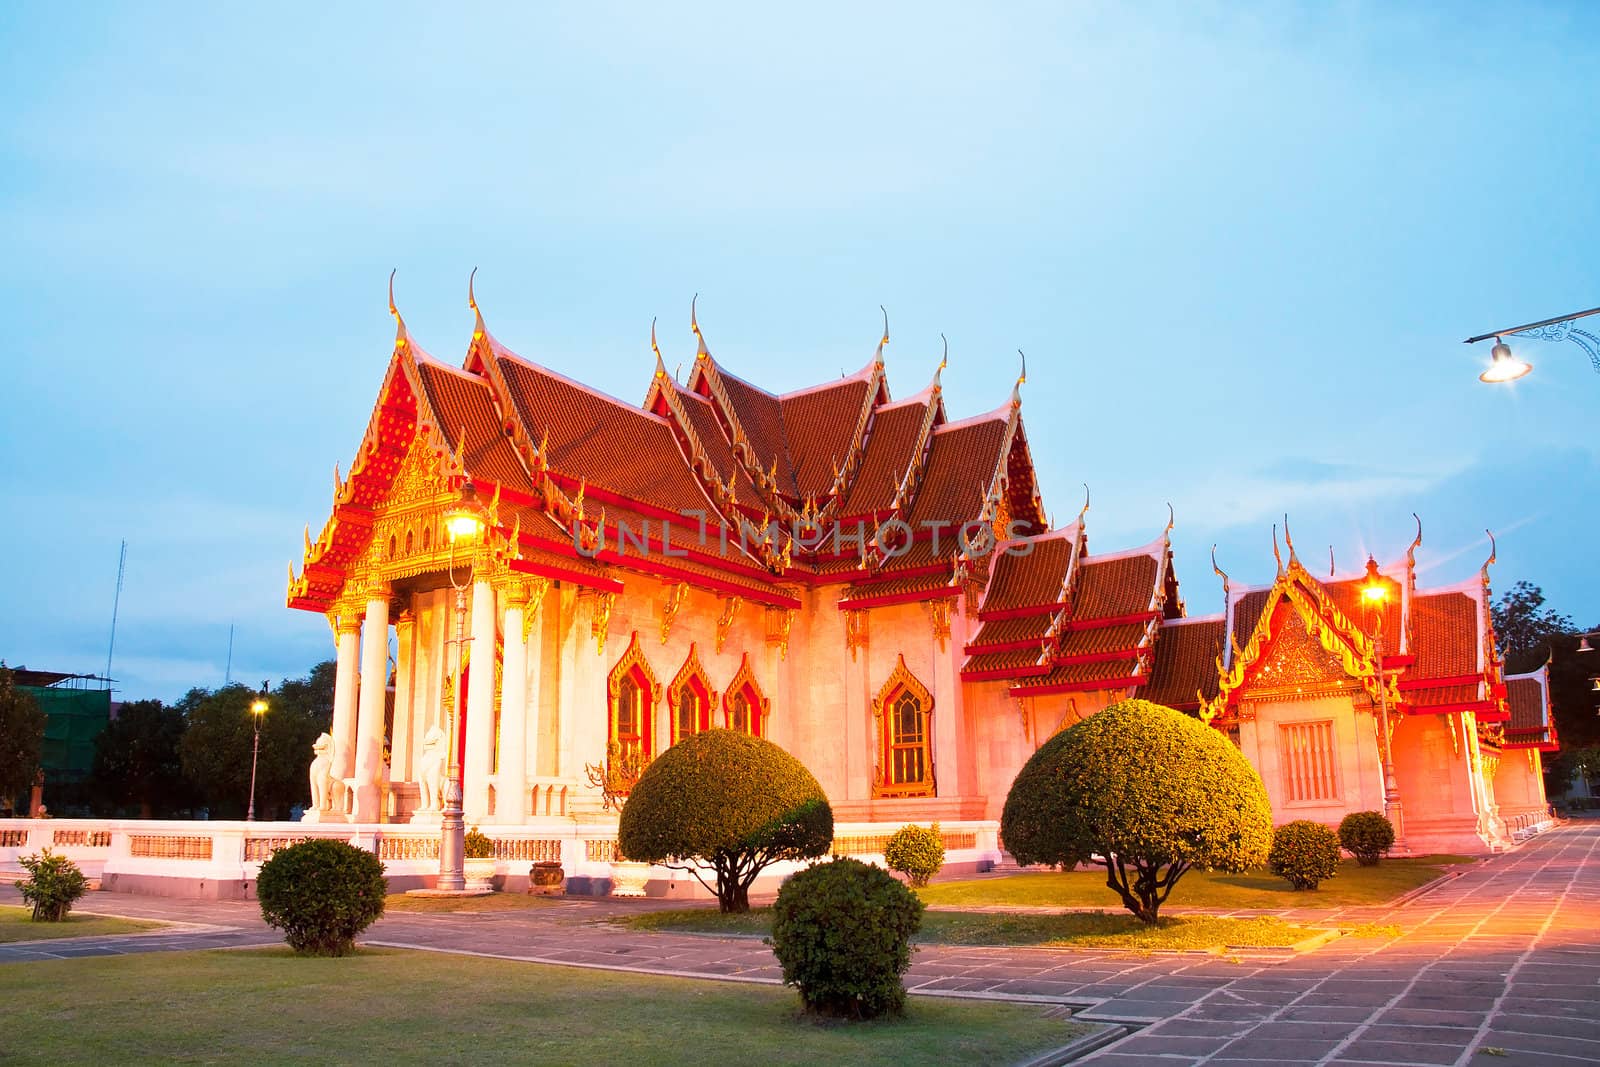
x=322, y=773
x=431, y=770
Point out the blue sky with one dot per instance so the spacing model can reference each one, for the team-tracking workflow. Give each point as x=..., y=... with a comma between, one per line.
x=1241, y=246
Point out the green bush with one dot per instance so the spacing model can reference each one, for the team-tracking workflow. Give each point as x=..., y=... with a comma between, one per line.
x=730, y=801
x=1304, y=853
x=53, y=883
x=842, y=931
x=916, y=852
x=1146, y=792
x=321, y=894
x=477, y=845
x=1366, y=835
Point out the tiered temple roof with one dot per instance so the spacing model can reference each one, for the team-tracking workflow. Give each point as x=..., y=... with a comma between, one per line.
x=1531, y=724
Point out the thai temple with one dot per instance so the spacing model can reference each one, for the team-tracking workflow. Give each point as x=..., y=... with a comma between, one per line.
x=857, y=577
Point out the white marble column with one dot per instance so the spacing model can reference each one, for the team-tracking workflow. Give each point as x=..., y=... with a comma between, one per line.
x=511, y=780
x=479, y=754
x=369, y=721
x=344, y=692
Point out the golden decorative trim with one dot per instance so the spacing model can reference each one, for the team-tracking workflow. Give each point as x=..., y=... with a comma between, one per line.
x=855, y=630
x=600, y=620
x=670, y=607
x=730, y=608
x=779, y=622
x=939, y=617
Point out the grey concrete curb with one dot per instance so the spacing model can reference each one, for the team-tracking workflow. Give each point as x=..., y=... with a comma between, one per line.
x=1105, y=1034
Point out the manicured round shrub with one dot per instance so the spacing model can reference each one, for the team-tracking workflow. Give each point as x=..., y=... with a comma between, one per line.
x=842, y=931
x=1146, y=792
x=321, y=894
x=1304, y=853
x=1366, y=835
x=53, y=884
x=916, y=852
x=728, y=800
x=477, y=845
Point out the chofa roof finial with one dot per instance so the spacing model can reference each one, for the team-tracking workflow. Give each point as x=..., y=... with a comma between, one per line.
x=1411, y=553
x=1016, y=390
x=399, y=323
x=1330, y=561
x=702, y=352
x=1171, y=519
x=877, y=356
x=1220, y=573
x=1275, y=553
x=1085, y=509
x=1493, y=550
x=1287, y=540
x=661, y=368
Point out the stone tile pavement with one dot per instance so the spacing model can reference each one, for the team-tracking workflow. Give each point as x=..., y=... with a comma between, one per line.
x=1504, y=959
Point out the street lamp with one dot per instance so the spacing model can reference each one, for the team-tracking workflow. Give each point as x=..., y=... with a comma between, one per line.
x=258, y=708
x=1506, y=367
x=462, y=522
x=1374, y=594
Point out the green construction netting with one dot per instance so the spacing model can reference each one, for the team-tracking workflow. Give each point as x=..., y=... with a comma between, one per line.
x=73, y=719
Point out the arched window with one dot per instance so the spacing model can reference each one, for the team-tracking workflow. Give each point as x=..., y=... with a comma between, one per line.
x=904, y=718
x=745, y=706
x=689, y=699
x=632, y=692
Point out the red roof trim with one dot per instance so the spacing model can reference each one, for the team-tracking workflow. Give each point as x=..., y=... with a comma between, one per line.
x=548, y=570
x=1131, y=681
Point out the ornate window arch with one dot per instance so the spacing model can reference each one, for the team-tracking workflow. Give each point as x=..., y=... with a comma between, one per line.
x=632, y=693
x=689, y=698
x=744, y=704
x=903, y=713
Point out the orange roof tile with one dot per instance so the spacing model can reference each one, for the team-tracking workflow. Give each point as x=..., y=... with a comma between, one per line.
x=1444, y=636
x=1112, y=588
x=1443, y=696
x=1022, y=581
x=1101, y=640
x=961, y=465
x=1005, y=631
x=703, y=421
x=1186, y=662
x=891, y=439
x=760, y=416
x=1530, y=711
x=602, y=440
x=1012, y=662
x=927, y=584
x=820, y=426
x=464, y=401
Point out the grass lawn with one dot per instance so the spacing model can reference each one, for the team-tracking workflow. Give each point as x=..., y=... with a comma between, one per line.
x=1353, y=885
x=16, y=924
x=268, y=1006
x=397, y=902
x=1070, y=930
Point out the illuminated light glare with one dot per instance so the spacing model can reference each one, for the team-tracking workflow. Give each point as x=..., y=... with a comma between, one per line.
x=1374, y=590
x=1505, y=366
x=259, y=707
x=463, y=526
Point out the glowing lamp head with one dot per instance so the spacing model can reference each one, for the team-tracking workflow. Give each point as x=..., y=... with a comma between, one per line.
x=1596, y=682
x=1374, y=589
x=464, y=521
x=1584, y=645
x=1504, y=367
x=258, y=706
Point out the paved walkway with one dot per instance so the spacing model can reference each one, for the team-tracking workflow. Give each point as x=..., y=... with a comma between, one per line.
x=1505, y=958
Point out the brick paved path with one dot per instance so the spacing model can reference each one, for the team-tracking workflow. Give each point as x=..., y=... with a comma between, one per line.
x=1505, y=957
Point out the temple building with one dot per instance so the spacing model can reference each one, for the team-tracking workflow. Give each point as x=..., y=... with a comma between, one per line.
x=861, y=579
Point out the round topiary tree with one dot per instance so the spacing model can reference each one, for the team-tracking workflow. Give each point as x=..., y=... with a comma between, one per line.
x=1304, y=853
x=321, y=894
x=728, y=800
x=916, y=852
x=1144, y=791
x=1366, y=835
x=842, y=931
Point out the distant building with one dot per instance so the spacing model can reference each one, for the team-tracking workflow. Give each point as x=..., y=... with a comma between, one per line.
x=76, y=708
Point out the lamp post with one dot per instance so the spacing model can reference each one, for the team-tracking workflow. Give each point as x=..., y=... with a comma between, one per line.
x=1375, y=593
x=462, y=522
x=258, y=708
x=1506, y=367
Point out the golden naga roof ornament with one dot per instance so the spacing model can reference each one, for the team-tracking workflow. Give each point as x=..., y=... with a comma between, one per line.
x=1085, y=509
x=1016, y=390
x=1493, y=551
x=877, y=357
x=1220, y=573
x=1411, y=552
x=1288, y=541
x=1172, y=518
x=400, y=324
x=1275, y=554
x=701, y=351
x=479, y=331
x=936, y=386
x=661, y=367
